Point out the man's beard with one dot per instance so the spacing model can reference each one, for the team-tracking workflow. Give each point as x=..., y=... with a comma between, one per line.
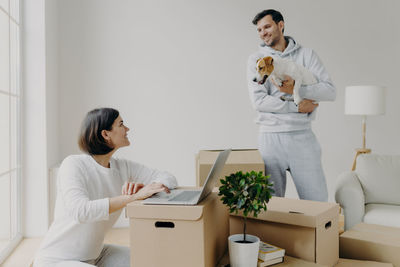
x=273, y=42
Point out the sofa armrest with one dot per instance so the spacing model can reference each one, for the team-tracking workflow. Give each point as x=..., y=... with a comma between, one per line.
x=350, y=195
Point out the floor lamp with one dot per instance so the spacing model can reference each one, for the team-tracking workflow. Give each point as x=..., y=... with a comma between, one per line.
x=365, y=101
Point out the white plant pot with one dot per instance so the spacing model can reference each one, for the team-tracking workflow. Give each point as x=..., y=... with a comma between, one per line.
x=243, y=254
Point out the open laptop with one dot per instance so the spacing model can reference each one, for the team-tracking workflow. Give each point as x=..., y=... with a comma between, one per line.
x=191, y=197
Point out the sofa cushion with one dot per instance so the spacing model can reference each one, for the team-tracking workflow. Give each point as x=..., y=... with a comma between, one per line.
x=388, y=215
x=380, y=178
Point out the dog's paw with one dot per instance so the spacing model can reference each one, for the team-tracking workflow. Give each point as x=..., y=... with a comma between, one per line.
x=278, y=82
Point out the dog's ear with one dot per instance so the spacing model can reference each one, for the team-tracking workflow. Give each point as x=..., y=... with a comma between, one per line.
x=268, y=60
x=269, y=64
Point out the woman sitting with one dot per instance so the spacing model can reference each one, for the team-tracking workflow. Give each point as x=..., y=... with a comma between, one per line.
x=89, y=198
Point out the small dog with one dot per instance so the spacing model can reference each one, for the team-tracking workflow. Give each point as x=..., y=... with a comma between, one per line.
x=277, y=68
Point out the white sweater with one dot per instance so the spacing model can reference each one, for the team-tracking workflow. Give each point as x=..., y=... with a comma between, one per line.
x=274, y=114
x=82, y=207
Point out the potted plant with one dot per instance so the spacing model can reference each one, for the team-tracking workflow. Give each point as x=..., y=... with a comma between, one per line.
x=247, y=192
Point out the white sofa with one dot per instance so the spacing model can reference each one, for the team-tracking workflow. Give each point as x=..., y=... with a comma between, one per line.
x=371, y=194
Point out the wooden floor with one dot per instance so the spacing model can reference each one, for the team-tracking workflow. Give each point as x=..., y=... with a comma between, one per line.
x=24, y=253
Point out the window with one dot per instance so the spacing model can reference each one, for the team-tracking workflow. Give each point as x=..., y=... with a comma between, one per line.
x=10, y=167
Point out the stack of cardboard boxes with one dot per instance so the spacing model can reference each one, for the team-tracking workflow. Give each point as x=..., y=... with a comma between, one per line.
x=197, y=235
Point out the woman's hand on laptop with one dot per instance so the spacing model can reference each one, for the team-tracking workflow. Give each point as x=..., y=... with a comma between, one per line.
x=149, y=190
x=130, y=188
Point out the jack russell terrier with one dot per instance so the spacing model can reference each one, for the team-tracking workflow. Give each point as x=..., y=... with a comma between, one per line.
x=277, y=68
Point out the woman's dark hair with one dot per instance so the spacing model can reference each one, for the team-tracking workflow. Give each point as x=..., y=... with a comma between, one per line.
x=276, y=16
x=90, y=139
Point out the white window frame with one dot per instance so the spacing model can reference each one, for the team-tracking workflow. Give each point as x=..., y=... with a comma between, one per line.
x=15, y=171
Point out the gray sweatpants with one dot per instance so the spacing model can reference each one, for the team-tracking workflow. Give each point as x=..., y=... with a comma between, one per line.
x=110, y=256
x=299, y=153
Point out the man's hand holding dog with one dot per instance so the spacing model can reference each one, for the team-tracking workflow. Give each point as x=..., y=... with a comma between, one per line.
x=287, y=85
x=307, y=106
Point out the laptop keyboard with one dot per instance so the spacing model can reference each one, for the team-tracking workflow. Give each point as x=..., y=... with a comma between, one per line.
x=185, y=196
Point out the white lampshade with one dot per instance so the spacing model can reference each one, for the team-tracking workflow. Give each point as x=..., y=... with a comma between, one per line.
x=365, y=100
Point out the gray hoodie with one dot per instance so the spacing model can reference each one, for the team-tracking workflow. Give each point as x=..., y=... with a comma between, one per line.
x=274, y=114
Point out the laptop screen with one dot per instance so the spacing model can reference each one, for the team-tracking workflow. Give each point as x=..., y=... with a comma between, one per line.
x=214, y=173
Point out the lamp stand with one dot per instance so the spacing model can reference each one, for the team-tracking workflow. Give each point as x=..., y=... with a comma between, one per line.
x=362, y=150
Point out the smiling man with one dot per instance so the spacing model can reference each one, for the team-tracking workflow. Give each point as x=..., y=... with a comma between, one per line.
x=286, y=141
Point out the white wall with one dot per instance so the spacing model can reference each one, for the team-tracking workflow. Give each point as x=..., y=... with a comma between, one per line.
x=40, y=110
x=52, y=129
x=51, y=18
x=176, y=71
x=34, y=138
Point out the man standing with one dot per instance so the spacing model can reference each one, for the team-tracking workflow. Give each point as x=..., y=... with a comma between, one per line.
x=286, y=141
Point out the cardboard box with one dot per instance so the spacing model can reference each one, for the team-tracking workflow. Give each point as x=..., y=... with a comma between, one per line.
x=295, y=262
x=305, y=229
x=357, y=263
x=341, y=224
x=287, y=261
x=341, y=221
x=371, y=242
x=239, y=160
x=290, y=261
x=168, y=235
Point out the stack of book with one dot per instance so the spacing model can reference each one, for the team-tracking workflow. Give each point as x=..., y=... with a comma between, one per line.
x=269, y=255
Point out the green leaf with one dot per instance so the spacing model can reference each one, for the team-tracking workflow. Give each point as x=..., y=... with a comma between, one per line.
x=248, y=192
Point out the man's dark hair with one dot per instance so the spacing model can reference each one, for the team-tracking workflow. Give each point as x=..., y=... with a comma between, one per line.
x=276, y=16
x=90, y=139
